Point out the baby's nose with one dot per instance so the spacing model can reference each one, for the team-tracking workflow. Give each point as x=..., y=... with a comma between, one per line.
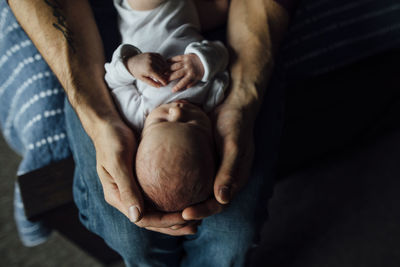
x=174, y=113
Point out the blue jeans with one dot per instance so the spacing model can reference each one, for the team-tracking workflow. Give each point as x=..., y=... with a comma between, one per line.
x=222, y=239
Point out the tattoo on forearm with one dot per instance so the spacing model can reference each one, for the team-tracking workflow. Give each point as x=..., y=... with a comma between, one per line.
x=61, y=24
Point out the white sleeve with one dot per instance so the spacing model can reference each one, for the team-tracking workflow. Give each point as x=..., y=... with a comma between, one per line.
x=213, y=55
x=216, y=92
x=130, y=104
x=116, y=72
x=123, y=88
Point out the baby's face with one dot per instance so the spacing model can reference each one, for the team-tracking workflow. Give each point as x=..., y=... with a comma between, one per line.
x=180, y=113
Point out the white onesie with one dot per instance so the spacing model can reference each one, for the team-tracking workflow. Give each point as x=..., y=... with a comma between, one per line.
x=171, y=29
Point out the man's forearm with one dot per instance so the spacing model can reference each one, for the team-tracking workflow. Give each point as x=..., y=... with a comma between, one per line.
x=255, y=29
x=65, y=33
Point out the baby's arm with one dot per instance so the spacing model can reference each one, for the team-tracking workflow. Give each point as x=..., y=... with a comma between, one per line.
x=130, y=104
x=116, y=72
x=201, y=62
x=123, y=89
x=128, y=64
x=150, y=68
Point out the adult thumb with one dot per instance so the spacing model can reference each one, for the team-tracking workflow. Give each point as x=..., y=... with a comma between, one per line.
x=132, y=201
x=225, y=181
x=233, y=172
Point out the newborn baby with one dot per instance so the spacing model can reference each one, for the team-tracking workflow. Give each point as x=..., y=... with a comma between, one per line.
x=164, y=78
x=175, y=161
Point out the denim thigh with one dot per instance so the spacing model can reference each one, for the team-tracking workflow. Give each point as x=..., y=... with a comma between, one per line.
x=137, y=246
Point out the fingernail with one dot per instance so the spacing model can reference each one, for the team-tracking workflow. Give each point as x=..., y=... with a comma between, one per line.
x=134, y=214
x=178, y=226
x=225, y=193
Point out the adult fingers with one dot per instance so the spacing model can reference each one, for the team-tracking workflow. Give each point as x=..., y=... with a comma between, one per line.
x=224, y=179
x=178, y=226
x=130, y=194
x=160, y=219
x=189, y=229
x=122, y=195
x=131, y=201
x=234, y=169
x=111, y=192
x=202, y=210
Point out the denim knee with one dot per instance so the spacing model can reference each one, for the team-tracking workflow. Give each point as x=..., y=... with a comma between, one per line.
x=224, y=247
x=224, y=239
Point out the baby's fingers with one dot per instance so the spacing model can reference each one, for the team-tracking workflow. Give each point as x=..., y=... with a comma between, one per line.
x=161, y=220
x=151, y=81
x=177, y=75
x=182, y=84
x=158, y=76
x=160, y=65
x=191, y=84
x=175, y=59
x=176, y=66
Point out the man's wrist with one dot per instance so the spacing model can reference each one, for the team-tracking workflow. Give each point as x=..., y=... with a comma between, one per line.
x=248, y=87
x=93, y=119
x=93, y=103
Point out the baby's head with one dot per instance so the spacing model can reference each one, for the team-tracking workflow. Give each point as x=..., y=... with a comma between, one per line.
x=175, y=161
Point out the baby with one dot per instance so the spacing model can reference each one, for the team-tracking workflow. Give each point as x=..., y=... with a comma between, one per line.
x=164, y=78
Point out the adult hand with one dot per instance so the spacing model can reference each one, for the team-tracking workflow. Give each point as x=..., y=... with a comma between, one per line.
x=149, y=67
x=116, y=146
x=168, y=223
x=234, y=137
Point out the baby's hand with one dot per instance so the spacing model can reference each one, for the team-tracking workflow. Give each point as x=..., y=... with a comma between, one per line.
x=188, y=68
x=149, y=68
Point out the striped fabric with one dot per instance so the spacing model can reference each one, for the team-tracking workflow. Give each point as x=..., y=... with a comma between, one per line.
x=31, y=112
x=327, y=34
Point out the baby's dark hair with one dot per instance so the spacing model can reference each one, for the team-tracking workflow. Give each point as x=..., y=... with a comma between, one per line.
x=171, y=182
